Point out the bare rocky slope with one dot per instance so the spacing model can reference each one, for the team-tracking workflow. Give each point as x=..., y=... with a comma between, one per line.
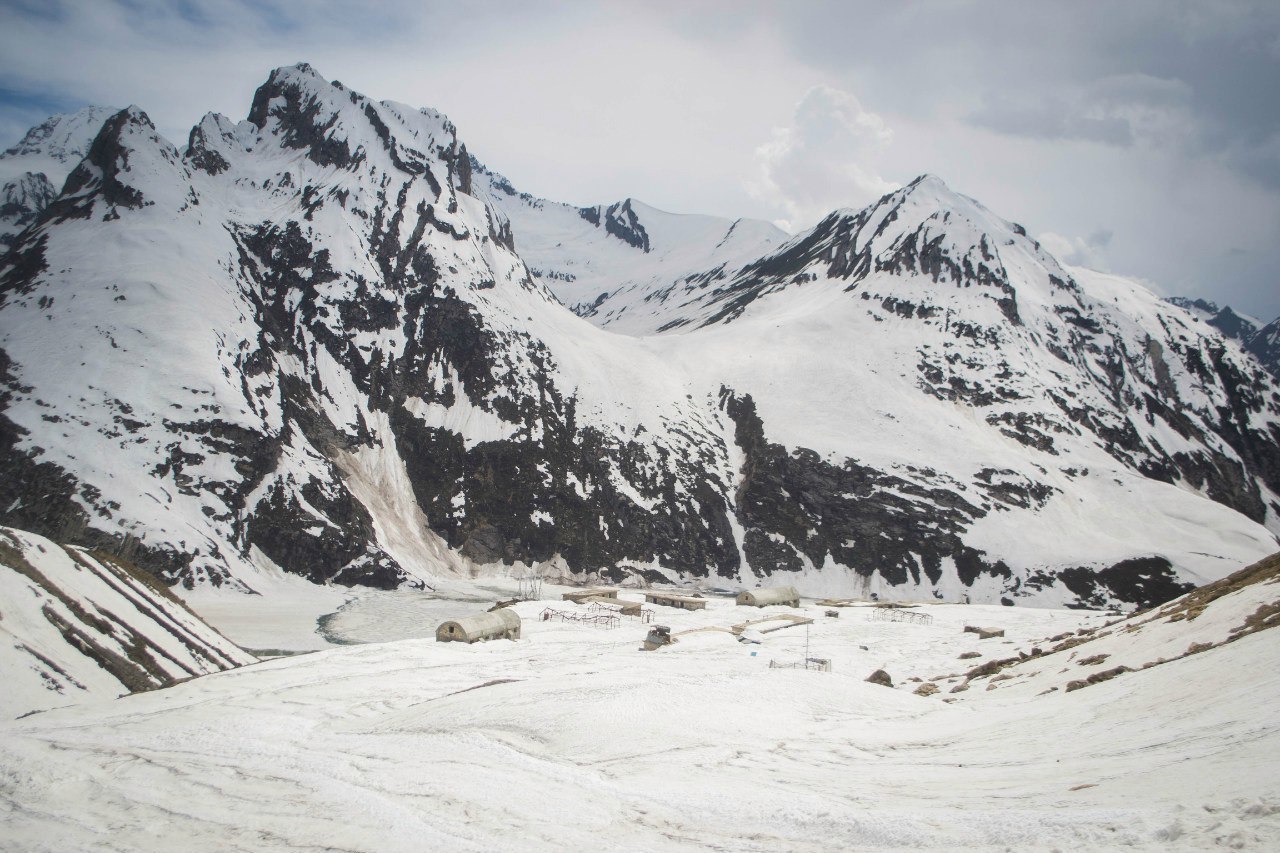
x=314, y=339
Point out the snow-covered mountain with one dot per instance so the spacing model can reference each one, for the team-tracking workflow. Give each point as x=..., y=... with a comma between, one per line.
x=1264, y=345
x=610, y=262
x=82, y=624
x=1261, y=340
x=326, y=339
x=32, y=172
x=1235, y=326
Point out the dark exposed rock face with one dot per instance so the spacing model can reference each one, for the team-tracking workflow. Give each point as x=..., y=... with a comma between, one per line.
x=1143, y=582
x=202, y=155
x=99, y=175
x=620, y=220
x=1264, y=345
x=793, y=504
x=1224, y=319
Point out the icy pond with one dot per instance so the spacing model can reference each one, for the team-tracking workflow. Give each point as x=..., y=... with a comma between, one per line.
x=376, y=616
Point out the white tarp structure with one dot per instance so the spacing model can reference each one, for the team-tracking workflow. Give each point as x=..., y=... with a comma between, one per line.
x=769, y=595
x=503, y=624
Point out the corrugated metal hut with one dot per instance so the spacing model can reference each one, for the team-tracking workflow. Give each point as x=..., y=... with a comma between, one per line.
x=769, y=595
x=501, y=624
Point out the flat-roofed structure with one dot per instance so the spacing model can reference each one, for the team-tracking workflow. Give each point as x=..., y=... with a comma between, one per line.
x=501, y=624
x=675, y=599
x=578, y=596
x=769, y=595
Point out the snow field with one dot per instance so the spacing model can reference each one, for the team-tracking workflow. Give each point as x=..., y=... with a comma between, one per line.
x=573, y=738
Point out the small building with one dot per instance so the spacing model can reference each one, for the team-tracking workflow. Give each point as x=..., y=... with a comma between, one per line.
x=501, y=624
x=578, y=596
x=674, y=599
x=769, y=595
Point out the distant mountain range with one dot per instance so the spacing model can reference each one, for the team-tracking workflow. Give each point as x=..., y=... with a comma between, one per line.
x=1261, y=340
x=328, y=339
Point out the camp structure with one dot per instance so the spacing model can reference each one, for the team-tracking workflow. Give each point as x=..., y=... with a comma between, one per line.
x=769, y=595
x=674, y=599
x=501, y=624
x=578, y=596
x=626, y=608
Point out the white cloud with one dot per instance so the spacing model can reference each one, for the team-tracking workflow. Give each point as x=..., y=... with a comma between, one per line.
x=826, y=158
x=1079, y=251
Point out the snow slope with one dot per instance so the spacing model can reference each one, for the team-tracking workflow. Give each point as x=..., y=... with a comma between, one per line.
x=1211, y=617
x=608, y=260
x=77, y=625
x=593, y=742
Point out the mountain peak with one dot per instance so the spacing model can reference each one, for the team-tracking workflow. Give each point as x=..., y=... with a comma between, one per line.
x=32, y=171
x=134, y=114
x=621, y=220
x=280, y=83
x=918, y=200
x=127, y=157
x=298, y=71
x=301, y=105
x=338, y=127
x=64, y=137
x=929, y=181
x=932, y=191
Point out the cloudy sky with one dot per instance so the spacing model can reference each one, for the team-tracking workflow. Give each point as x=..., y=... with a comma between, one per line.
x=1141, y=137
